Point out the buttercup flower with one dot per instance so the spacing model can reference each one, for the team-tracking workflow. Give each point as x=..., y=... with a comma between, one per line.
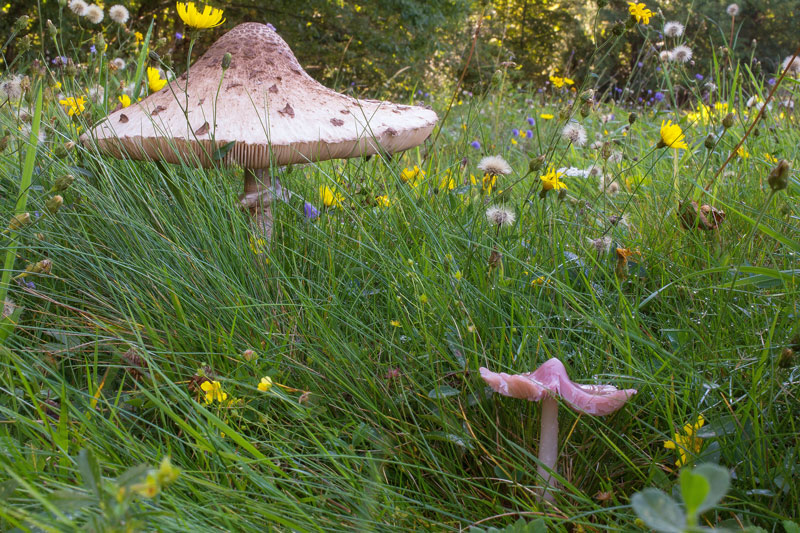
x=551, y=180
x=672, y=136
x=154, y=79
x=73, y=106
x=265, y=384
x=686, y=443
x=209, y=18
x=640, y=12
x=119, y=14
x=214, y=392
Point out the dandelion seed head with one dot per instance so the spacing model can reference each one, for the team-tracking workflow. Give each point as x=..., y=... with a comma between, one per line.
x=494, y=165
x=119, y=14
x=665, y=55
x=792, y=67
x=615, y=157
x=96, y=94
x=26, y=133
x=609, y=186
x=12, y=88
x=732, y=10
x=78, y=7
x=682, y=54
x=673, y=29
x=574, y=133
x=118, y=63
x=500, y=216
x=94, y=14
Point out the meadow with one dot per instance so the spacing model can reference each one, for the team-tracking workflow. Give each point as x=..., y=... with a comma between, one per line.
x=163, y=367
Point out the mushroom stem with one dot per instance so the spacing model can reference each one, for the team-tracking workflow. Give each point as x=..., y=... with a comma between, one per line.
x=257, y=199
x=548, y=444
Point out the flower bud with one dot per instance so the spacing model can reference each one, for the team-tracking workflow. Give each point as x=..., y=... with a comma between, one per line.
x=42, y=267
x=226, y=61
x=587, y=95
x=20, y=24
x=618, y=29
x=602, y=3
x=779, y=177
x=710, y=142
x=536, y=163
x=249, y=355
x=631, y=118
x=51, y=28
x=564, y=113
x=727, y=122
x=63, y=182
x=71, y=70
x=153, y=55
x=631, y=22
x=19, y=221
x=787, y=358
x=54, y=204
x=100, y=42
x=586, y=109
x=24, y=43
x=562, y=193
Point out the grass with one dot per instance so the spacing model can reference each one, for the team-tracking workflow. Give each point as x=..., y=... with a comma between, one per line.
x=374, y=321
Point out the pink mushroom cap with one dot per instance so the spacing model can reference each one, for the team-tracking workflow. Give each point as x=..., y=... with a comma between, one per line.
x=551, y=379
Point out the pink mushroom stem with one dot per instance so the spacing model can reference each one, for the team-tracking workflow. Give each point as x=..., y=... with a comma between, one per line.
x=548, y=444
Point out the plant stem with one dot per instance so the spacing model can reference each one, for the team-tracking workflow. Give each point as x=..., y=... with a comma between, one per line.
x=548, y=444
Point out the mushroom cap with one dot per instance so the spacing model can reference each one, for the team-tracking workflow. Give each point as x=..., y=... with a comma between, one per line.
x=266, y=104
x=551, y=379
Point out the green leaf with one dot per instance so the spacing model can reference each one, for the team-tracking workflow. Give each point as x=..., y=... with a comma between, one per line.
x=90, y=471
x=694, y=490
x=658, y=511
x=223, y=150
x=142, y=63
x=443, y=392
x=791, y=527
x=719, y=481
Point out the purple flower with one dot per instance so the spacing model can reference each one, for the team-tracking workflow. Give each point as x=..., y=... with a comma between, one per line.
x=658, y=69
x=659, y=96
x=618, y=89
x=539, y=90
x=640, y=64
x=515, y=132
x=698, y=77
x=427, y=95
x=92, y=49
x=271, y=27
x=475, y=144
x=529, y=134
x=178, y=36
x=531, y=121
x=419, y=92
x=310, y=211
x=771, y=81
x=30, y=285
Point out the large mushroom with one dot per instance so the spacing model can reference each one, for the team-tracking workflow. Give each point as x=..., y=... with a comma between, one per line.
x=549, y=382
x=267, y=106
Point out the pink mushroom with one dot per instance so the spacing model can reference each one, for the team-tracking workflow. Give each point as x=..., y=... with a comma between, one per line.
x=546, y=383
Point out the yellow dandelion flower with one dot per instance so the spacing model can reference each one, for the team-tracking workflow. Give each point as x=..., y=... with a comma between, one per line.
x=73, y=106
x=210, y=17
x=550, y=181
x=557, y=82
x=154, y=80
x=686, y=443
x=546, y=116
x=640, y=12
x=672, y=136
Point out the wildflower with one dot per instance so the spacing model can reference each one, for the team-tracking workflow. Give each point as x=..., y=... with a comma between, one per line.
x=500, y=216
x=94, y=14
x=574, y=133
x=213, y=390
x=698, y=77
x=166, y=473
x=475, y=144
x=488, y=182
x=149, y=488
x=258, y=246
x=673, y=29
x=551, y=180
x=383, y=201
x=515, y=132
x=531, y=121
x=791, y=66
x=609, y=186
x=659, y=96
x=601, y=244
x=546, y=116
x=96, y=94
x=265, y=384
x=154, y=79
x=640, y=12
x=73, y=106
x=119, y=14
x=458, y=275
x=78, y=7
x=209, y=18
x=330, y=197
x=559, y=82
x=528, y=134
x=494, y=165
x=118, y=63
x=447, y=182
x=395, y=323
x=138, y=37
x=682, y=54
x=732, y=10
x=621, y=269
x=686, y=443
x=742, y=153
x=309, y=211
x=779, y=176
x=412, y=176
x=423, y=299
x=672, y=136
x=665, y=55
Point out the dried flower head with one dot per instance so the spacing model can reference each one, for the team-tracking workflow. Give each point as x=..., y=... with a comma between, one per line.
x=609, y=186
x=791, y=66
x=732, y=10
x=665, y=55
x=500, y=216
x=94, y=14
x=119, y=14
x=494, y=165
x=96, y=94
x=12, y=88
x=78, y=7
x=673, y=29
x=615, y=158
x=574, y=133
x=682, y=54
x=601, y=244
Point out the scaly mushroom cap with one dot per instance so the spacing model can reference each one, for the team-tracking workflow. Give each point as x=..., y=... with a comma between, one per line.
x=551, y=378
x=267, y=105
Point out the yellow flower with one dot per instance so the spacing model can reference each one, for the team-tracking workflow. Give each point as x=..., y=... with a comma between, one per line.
x=265, y=384
x=138, y=37
x=395, y=323
x=125, y=100
x=423, y=299
x=550, y=180
x=538, y=281
x=154, y=80
x=672, y=136
x=329, y=197
x=458, y=275
x=557, y=82
x=686, y=443
x=546, y=116
x=213, y=390
x=209, y=18
x=412, y=176
x=770, y=158
x=447, y=182
x=640, y=12
x=259, y=246
x=383, y=201
x=73, y=106
x=488, y=183
x=741, y=152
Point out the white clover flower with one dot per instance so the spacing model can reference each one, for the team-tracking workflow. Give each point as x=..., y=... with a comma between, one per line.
x=78, y=7
x=682, y=54
x=95, y=14
x=500, y=216
x=494, y=165
x=673, y=29
x=574, y=133
x=732, y=10
x=119, y=14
